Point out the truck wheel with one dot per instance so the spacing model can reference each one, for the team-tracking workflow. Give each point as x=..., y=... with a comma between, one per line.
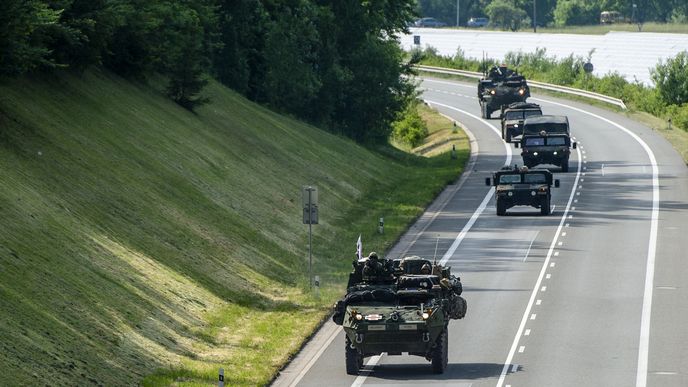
x=483, y=110
x=508, y=136
x=545, y=208
x=440, y=354
x=501, y=208
x=565, y=165
x=354, y=360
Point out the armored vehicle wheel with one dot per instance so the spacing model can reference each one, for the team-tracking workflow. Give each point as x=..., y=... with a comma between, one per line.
x=565, y=166
x=483, y=111
x=508, y=136
x=354, y=360
x=440, y=354
x=545, y=208
x=501, y=208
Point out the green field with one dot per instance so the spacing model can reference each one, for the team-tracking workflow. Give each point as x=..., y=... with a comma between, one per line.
x=142, y=243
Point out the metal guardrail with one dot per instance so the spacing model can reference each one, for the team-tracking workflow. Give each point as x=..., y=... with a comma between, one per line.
x=541, y=85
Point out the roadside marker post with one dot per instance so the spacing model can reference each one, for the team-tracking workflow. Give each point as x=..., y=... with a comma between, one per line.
x=221, y=378
x=309, y=199
x=381, y=226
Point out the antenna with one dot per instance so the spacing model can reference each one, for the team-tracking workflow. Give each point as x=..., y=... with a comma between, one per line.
x=434, y=258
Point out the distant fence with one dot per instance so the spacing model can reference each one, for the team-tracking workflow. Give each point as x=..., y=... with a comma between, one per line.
x=541, y=85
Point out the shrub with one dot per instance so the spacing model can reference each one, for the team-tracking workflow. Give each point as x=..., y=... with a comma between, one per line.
x=410, y=127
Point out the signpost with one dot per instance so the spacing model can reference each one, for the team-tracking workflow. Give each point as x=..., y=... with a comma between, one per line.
x=309, y=198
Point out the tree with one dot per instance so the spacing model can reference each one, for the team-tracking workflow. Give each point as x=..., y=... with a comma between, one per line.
x=506, y=15
x=671, y=79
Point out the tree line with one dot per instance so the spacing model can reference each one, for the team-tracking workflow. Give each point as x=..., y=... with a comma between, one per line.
x=514, y=14
x=335, y=63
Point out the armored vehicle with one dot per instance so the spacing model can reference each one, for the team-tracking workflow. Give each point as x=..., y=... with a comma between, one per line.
x=522, y=187
x=501, y=86
x=546, y=140
x=513, y=117
x=403, y=307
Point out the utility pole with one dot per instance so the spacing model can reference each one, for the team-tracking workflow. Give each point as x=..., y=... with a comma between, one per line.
x=534, y=16
x=458, y=4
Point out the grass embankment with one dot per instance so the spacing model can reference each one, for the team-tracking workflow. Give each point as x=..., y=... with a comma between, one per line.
x=142, y=243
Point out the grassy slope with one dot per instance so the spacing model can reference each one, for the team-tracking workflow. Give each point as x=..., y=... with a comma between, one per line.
x=142, y=241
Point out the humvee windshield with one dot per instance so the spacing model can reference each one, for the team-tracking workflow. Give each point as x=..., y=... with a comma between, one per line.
x=520, y=115
x=510, y=179
x=547, y=127
x=534, y=178
x=556, y=141
x=535, y=141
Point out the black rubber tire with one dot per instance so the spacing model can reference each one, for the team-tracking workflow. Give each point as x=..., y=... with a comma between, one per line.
x=483, y=110
x=440, y=354
x=508, y=136
x=501, y=208
x=545, y=208
x=565, y=165
x=354, y=360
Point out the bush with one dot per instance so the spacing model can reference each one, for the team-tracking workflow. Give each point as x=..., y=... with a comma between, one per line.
x=410, y=127
x=678, y=115
x=671, y=79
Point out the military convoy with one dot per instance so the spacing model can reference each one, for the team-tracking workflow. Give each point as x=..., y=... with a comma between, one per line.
x=396, y=306
x=546, y=140
x=522, y=187
x=499, y=87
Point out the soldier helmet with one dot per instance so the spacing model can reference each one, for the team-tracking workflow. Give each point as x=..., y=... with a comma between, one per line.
x=425, y=269
x=373, y=255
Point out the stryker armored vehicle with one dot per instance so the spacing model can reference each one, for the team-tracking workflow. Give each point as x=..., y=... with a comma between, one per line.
x=399, y=306
x=513, y=117
x=522, y=187
x=501, y=86
x=546, y=140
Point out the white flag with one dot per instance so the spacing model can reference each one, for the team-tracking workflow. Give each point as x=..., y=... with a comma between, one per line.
x=359, y=247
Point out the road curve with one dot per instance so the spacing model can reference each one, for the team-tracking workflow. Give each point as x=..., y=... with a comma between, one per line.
x=581, y=297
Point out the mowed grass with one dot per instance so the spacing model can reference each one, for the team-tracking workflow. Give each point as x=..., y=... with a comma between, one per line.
x=143, y=244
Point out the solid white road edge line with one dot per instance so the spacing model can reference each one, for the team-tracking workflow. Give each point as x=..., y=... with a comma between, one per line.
x=533, y=294
x=646, y=316
x=375, y=359
x=317, y=355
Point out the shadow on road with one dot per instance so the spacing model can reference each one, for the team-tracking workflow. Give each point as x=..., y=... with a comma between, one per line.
x=423, y=371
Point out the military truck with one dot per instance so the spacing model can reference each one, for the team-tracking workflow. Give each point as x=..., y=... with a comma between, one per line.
x=405, y=306
x=501, y=86
x=546, y=140
x=513, y=117
x=522, y=187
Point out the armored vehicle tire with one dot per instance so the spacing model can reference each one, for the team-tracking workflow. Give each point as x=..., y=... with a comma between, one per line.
x=440, y=354
x=508, y=136
x=354, y=360
x=501, y=208
x=565, y=165
x=483, y=110
x=545, y=208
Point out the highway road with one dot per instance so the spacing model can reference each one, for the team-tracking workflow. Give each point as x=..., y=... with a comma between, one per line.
x=593, y=295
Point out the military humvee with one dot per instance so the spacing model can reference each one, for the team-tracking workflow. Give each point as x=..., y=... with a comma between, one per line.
x=399, y=309
x=524, y=187
x=546, y=140
x=499, y=88
x=513, y=117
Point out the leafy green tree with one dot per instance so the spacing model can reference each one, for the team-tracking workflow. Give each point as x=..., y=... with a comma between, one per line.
x=506, y=15
x=671, y=79
x=23, y=25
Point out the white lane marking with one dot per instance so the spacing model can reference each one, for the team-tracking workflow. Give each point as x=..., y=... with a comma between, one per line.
x=527, y=333
x=560, y=243
x=556, y=253
x=529, y=307
x=533, y=316
x=481, y=208
x=459, y=238
x=552, y=264
x=575, y=200
x=602, y=169
x=316, y=357
x=538, y=302
x=475, y=149
x=366, y=371
x=520, y=350
x=567, y=224
x=531, y=245
x=645, y=319
x=563, y=234
x=553, y=207
x=514, y=367
x=548, y=276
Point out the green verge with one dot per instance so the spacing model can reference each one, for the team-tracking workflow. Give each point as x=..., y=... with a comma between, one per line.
x=144, y=244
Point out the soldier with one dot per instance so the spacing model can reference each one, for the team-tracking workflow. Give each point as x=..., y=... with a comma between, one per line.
x=373, y=266
x=425, y=269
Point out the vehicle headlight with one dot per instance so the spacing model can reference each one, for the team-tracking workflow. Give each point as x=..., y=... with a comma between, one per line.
x=493, y=92
x=554, y=153
x=425, y=315
x=358, y=316
x=535, y=153
x=521, y=91
x=533, y=193
x=515, y=125
x=510, y=193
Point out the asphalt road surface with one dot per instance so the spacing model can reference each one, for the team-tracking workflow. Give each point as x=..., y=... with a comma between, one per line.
x=595, y=294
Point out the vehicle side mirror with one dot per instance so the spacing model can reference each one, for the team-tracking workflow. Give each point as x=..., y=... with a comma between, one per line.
x=487, y=181
x=574, y=145
x=556, y=183
x=516, y=144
